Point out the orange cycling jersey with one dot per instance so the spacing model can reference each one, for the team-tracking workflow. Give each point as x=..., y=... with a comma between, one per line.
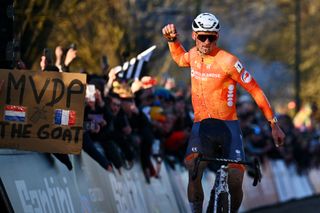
x=213, y=83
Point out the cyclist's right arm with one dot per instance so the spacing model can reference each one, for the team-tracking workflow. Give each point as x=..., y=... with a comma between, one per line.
x=178, y=53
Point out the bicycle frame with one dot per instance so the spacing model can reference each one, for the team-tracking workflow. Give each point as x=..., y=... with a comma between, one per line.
x=222, y=187
x=222, y=173
x=255, y=164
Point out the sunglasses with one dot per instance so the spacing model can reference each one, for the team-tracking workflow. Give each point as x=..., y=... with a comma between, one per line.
x=211, y=38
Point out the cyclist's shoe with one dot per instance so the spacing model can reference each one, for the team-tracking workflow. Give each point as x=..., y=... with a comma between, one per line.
x=196, y=207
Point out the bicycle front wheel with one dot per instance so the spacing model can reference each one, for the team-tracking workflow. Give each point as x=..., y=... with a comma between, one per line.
x=223, y=203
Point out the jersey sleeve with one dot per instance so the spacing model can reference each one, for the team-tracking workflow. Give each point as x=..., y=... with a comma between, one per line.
x=179, y=55
x=245, y=79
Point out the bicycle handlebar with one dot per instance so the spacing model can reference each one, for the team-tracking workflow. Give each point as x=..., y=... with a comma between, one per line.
x=255, y=164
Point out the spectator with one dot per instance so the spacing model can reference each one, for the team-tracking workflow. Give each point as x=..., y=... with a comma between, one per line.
x=71, y=54
x=176, y=142
x=99, y=113
x=144, y=98
x=295, y=145
x=94, y=122
x=46, y=65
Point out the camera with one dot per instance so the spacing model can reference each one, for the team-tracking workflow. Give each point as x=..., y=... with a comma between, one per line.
x=73, y=46
x=47, y=52
x=90, y=125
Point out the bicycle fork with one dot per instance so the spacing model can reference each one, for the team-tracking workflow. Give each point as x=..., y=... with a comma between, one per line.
x=222, y=187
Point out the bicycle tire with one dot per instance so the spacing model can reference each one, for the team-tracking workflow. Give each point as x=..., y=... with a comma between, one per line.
x=127, y=165
x=222, y=203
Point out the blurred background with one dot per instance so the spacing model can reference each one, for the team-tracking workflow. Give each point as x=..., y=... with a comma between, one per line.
x=275, y=39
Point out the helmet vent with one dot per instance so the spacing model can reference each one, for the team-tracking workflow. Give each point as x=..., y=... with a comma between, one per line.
x=195, y=25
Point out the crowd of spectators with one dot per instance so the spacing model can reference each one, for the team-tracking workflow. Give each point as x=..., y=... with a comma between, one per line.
x=128, y=121
x=147, y=121
x=302, y=144
x=140, y=121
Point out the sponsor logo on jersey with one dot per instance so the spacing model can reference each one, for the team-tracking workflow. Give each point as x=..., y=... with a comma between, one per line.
x=246, y=77
x=238, y=66
x=204, y=75
x=230, y=95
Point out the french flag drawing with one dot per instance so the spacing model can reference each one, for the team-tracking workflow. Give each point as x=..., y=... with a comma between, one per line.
x=64, y=117
x=15, y=113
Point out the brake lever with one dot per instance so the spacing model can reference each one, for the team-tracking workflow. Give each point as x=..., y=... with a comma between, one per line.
x=257, y=172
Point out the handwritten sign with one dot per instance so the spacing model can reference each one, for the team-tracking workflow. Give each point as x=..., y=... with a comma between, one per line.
x=42, y=111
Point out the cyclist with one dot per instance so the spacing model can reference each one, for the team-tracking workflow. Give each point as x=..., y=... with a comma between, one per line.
x=214, y=76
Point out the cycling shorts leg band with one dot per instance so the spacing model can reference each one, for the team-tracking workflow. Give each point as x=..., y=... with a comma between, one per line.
x=189, y=160
x=240, y=167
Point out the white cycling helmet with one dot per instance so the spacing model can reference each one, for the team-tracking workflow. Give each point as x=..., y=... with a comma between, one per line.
x=205, y=22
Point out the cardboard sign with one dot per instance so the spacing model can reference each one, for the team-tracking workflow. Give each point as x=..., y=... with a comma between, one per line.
x=42, y=111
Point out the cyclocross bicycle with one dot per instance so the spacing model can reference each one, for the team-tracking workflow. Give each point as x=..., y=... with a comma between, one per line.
x=222, y=199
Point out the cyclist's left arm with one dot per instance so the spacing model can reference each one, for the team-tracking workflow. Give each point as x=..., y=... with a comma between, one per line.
x=246, y=80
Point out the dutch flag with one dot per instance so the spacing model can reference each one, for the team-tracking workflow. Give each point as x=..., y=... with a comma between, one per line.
x=64, y=117
x=15, y=113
